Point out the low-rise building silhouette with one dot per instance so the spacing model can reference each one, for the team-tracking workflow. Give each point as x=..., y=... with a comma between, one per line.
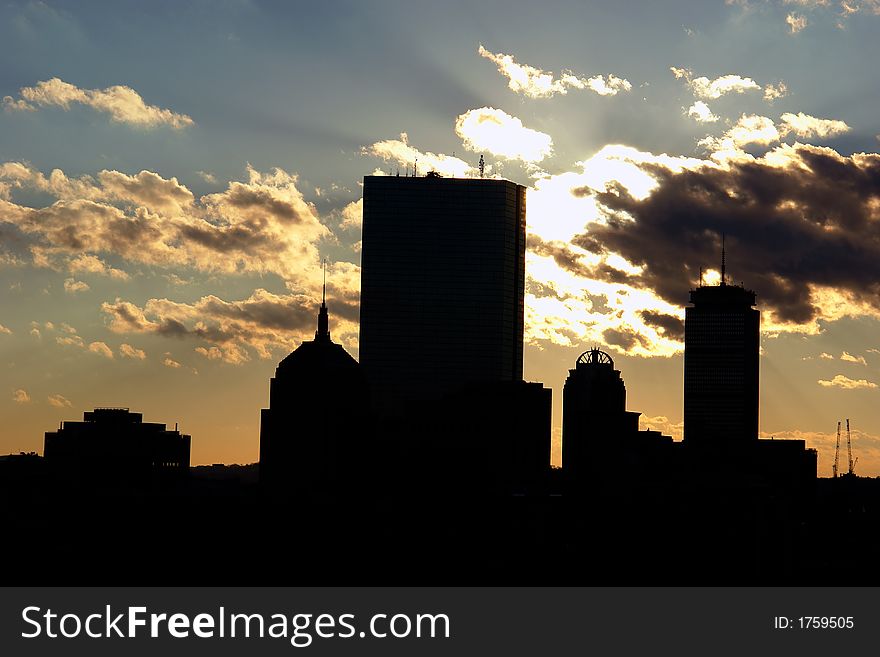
x=114, y=446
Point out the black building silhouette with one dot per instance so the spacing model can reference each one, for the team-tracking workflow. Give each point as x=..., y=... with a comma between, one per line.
x=115, y=446
x=442, y=285
x=721, y=349
x=600, y=438
x=313, y=435
x=499, y=435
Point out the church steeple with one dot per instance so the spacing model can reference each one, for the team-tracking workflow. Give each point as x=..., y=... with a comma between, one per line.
x=323, y=332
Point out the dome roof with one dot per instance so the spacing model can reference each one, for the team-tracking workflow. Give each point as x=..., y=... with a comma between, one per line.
x=316, y=356
x=595, y=357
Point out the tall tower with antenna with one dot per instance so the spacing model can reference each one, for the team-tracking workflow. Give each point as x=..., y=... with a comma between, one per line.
x=721, y=357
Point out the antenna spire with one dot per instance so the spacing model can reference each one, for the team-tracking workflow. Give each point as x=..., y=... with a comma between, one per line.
x=723, y=261
x=323, y=332
x=482, y=166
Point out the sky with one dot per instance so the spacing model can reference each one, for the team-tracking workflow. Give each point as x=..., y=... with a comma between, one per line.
x=172, y=174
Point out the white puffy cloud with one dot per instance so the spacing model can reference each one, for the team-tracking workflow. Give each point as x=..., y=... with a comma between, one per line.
x=749, y=129
x=170, y=362
x=849, y=358
x=260, y=225
x=72, y=286
x=535, y=83
x=4, y=330
x=400, y=152
x=122, y=103
x=93, y=265
x=700, y=112
x=499, y=133
x=775, y=91
x=703, y=87
x=841, y=381
x=20, y=396
x=796, y=22
x=127, y=351
x=804, y=125
x=353, y=214
x=101, y=349
x=59, y=401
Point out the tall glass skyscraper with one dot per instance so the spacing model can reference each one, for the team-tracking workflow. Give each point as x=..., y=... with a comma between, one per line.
x=442, y=285
x=721, y=346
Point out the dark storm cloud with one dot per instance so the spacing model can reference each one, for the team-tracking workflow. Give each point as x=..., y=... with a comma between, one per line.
x=571, y=261
x=625, y=338
x=810, y=218
x=671, y=326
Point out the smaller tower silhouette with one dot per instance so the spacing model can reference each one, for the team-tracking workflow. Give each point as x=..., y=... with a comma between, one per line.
x=594, y=417
x=313, y=436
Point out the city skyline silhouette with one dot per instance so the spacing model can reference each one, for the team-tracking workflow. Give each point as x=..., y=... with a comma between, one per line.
x=493, y=293
x=161, y=236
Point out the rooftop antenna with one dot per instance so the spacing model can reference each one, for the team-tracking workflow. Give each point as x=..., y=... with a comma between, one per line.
x=416, y=168
x=836, y=453
x=723, y=261
x=852, y=465
x=482, y=166
x=701, y=275
x=323, y=332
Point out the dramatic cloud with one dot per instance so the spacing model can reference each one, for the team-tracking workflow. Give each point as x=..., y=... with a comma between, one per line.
x=127, y=351
x=841, y=381
x=800, y=224
x=264, y=322
x=400, y=152
x=535, y=83
x=20, y=396
x=806, y=126
x=499, y=133
x=101, y=349
x=123, y=104
x=700, y=112
x=59, y=401
x=703, y=87
x=262, y=225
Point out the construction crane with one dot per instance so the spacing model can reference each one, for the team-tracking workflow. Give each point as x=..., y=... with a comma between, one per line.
x=836, y=452
x=852, y=465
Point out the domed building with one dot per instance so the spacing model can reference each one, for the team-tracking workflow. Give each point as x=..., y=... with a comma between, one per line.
x=600, y=438
x=313, y=433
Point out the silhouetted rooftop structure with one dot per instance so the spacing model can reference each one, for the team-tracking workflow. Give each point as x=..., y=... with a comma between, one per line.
x=600, y=438
x=313, y=433
x=115, y=446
